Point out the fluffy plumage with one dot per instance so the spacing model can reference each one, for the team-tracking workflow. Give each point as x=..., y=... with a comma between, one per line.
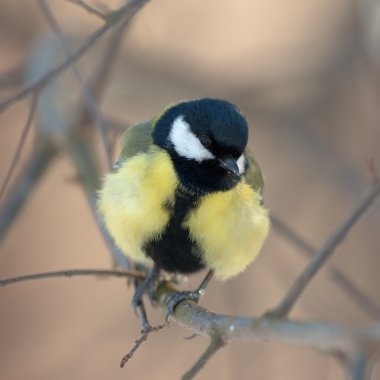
x=186, y=193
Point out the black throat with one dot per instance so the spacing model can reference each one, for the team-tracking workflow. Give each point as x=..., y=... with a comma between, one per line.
x=202, y=177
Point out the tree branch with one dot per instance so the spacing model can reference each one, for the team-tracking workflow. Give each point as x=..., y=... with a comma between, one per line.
x=339, y=277
x=323, y=336
x=88, y=98
x=70, y=273
x=20, y=145
x=89, y=8
x=324, y=253
x=127, y=11
x=358, y=366
x=35, y=168
x=216, y=343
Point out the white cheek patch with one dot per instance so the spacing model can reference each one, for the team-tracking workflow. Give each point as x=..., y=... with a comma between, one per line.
x=241, y=163
x=185, y=143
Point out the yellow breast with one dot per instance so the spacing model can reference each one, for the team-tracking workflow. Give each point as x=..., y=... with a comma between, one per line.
x=132, y=200
x=230, y=227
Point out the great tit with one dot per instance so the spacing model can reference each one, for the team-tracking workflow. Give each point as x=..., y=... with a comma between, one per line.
x=186, y=194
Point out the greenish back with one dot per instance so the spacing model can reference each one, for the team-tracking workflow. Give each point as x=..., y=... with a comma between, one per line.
x=253, y=174
x=136, y=139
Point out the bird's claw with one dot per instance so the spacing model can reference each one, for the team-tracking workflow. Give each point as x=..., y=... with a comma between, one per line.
x=178, y=297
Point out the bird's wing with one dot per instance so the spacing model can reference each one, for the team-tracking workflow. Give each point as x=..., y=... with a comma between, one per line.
x=136, y=139
x=253, y=174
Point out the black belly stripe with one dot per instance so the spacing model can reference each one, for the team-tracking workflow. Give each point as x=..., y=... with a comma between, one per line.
x=174, y=251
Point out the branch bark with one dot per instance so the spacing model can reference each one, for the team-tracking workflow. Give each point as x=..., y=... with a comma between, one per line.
x=322, y=336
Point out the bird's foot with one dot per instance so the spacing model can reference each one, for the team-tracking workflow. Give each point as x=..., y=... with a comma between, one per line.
x=178, y=297
x=148, y=285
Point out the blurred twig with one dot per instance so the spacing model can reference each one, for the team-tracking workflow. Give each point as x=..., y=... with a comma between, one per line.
x=103, y=69
x=88, y=98
x=91, y=177
x=127, y=11
x=70, y=273
x=359, y=366
x=12, y=78
x=89, y=8
x=85, y=163
x=337, y=275
x=20, y=145
x=324, y=253
x=36, y=166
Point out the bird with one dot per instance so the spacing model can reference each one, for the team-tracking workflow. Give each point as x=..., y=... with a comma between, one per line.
x=186, y=194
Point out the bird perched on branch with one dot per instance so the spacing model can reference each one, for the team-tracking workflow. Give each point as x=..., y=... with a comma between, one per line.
x=186, y=194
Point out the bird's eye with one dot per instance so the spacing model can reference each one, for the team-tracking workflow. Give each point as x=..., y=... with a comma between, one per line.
x=205, y=140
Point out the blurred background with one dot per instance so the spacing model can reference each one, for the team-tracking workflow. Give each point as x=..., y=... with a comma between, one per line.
x=307, y=77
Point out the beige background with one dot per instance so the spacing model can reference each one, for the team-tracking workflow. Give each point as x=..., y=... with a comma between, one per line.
x=306, y=74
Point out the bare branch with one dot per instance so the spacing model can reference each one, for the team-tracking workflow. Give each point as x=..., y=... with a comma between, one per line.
x=71, y=273
x=358, y=366
x=85, y=164
x=216, y=343
x=12, y=77
x=89, y=8
x=127, y=11
x=372, y=171
x=318, y=335
x=337, y=275
x=139, y=341
x=356, y=294
x=324, y=253
x=89, y=101
x=20, y=145
x=35, y=168
x=103, y=69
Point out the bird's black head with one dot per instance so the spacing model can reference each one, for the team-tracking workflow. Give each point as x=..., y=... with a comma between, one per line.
x=206, y=139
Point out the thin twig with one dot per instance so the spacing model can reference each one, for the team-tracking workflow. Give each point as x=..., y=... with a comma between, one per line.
x=340, y=278
x=143, y=337
x=356, y=294
x=89, y=8
x=324, y=253
x=103, y=69
x=89, y=100
x=215, y=345
x=20, y=145
x=71, y=273
x=359, y=366
x=35, y=168
x=85, y=163
x=13, y=77
x=126, y=11
x=372, y=171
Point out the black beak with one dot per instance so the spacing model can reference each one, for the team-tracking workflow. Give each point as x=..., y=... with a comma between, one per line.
x=229, y=164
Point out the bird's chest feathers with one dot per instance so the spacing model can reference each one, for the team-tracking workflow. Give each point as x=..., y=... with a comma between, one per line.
x=134, y=200
x=230, y=228
x=224, y=229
